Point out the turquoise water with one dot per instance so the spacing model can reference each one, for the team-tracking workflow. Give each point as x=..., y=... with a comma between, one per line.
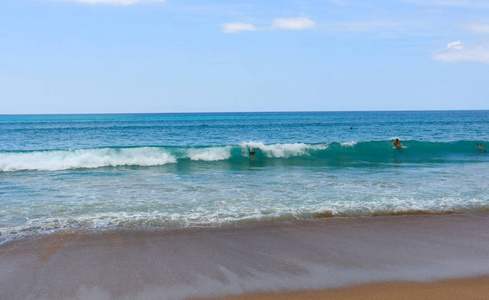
x=84, y=172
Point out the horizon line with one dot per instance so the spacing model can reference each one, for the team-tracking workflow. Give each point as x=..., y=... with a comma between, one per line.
x=229, y=112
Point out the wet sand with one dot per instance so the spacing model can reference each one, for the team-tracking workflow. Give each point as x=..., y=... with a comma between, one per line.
x=468, y=289
x=322, y=254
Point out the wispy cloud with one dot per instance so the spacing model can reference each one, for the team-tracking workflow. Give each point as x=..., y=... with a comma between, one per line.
x=458, y=52
x=300, y=23
x=454, y=3
x=380, y=28
x=238, y=27
x=116, y=2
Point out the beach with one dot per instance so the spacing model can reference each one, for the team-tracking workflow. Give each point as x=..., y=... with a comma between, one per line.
x=316, y=257
x=232, y=150
x=472, y=288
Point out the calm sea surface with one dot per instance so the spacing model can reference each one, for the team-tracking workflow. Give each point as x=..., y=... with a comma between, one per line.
x=97, y=172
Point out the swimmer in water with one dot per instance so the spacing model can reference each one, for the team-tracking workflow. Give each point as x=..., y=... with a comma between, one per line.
x=252, y=153
x=397, y=144
x=480, y=148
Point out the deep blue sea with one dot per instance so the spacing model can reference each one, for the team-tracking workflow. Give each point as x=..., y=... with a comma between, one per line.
x=144, y=171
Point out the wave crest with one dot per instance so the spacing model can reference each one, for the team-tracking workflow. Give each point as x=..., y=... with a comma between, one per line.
x=209, y=154
x=284, y=150
x=297, y=153
x=84, y=158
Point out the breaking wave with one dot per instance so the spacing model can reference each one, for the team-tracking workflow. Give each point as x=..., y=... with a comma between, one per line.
x=373, y=151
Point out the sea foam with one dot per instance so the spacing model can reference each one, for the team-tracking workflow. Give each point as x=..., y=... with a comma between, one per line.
x=284, y=150
x=85, y=158
x=209, y=154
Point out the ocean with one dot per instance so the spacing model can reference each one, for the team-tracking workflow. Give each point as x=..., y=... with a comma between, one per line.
x=84, y=173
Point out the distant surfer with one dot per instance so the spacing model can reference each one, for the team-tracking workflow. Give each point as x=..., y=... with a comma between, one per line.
x=252, y=153
x=397, y=144
x=480, y=147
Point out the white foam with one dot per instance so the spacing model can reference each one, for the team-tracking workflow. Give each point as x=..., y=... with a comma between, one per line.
x=283, y=150
x=348, y=144
x=210, y=154
x=86, y=158
x=236, y=211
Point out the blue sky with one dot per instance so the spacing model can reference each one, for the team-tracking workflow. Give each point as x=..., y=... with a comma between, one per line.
x=122, y=56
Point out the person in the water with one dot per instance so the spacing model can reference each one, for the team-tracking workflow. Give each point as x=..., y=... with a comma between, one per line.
x=397, y=144
x=480, y=147
x=252, y=153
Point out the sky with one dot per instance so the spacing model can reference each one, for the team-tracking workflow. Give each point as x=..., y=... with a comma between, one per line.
x=157, y=56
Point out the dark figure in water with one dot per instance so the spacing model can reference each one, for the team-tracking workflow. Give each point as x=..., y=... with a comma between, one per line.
x=252, y=153
x=480, y=148
x=398, y=145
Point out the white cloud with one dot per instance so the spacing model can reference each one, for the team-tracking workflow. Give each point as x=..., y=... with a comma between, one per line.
x=300, y=23
x=238, y=27
x=457, y=45
x=458, y=52
x=119, y=2
x=477, y=28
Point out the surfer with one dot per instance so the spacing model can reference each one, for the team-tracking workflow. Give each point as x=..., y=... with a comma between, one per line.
x=252, y=153
x=397, y=144
x=480, y=148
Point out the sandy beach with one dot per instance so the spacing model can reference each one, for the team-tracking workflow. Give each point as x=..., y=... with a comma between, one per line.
x=394, y=257
x=472, y=288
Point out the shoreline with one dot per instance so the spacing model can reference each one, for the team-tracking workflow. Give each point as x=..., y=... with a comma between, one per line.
x=257, y=259
x=274, y=221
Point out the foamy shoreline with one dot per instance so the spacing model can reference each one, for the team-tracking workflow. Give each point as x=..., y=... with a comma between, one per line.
x=259, y=258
